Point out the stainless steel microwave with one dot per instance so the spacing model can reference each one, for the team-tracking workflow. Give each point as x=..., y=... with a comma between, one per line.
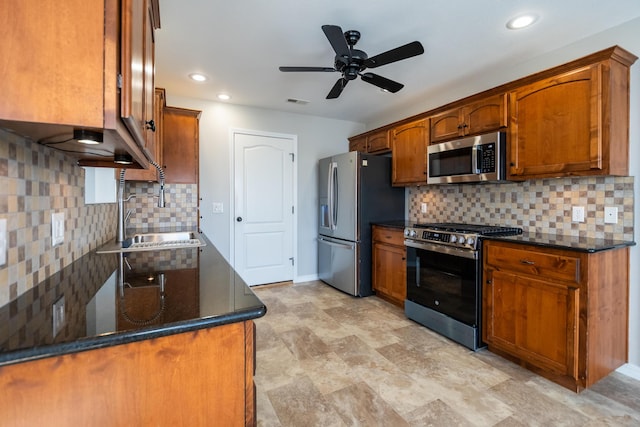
x=473, y=159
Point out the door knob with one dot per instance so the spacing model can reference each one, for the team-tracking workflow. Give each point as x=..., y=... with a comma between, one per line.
x=239, y=219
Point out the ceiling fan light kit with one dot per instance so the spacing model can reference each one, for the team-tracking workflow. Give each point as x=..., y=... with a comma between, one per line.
x=352, y=62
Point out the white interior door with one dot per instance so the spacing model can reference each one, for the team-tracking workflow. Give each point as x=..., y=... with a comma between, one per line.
x=263, y=214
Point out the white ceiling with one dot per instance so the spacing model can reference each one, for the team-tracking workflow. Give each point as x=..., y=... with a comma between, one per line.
x=239, y=45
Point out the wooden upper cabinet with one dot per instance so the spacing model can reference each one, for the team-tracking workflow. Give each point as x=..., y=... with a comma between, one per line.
x=378, y=142
x=358, y=143
x=409, y=153
x=62, y=67
x=154, y=142
x=181, y=145
x=575, y=123
x=475, y=118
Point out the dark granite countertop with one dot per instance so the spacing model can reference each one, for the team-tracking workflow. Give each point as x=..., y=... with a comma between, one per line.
x=163, y=292
x=580, y=244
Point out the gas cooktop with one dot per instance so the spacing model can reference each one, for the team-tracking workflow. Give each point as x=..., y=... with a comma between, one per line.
x=482, y=230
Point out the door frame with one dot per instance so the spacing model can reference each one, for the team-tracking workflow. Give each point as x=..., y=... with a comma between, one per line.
x=232, y=201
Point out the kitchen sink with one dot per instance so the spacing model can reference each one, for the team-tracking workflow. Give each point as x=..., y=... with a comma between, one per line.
x=153, y=242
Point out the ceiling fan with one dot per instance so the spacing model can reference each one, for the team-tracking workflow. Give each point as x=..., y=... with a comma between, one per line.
x=352, y=62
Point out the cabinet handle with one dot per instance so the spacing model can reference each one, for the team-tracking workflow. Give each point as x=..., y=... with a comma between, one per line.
x=527, y=262
x=404, y=259
x=151, y=125
x=489, y=282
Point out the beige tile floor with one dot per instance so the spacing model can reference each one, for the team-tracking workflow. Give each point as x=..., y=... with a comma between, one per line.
x=325, y=358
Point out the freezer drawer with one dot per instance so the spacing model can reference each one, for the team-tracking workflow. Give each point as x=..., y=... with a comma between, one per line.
x=338, y=264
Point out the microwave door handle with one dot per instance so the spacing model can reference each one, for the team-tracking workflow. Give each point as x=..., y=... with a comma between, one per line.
x=476, y=155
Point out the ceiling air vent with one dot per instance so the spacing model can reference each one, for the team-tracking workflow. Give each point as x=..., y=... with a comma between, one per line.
x=297, y=101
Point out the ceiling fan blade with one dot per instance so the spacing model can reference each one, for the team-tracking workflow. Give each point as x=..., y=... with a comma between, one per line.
x=382, y=82
x=324, y=69
x=337, y=40
x=393, y=55
x=337, y=88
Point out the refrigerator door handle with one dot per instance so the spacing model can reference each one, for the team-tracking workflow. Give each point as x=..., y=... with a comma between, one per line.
x=332, y=190
x=338, y=245
x=330, y=194
x=335, y=193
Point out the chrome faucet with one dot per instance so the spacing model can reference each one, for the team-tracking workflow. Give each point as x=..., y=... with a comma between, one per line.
x=121, y=215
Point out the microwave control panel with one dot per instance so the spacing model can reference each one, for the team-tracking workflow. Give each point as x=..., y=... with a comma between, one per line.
x=487, y=158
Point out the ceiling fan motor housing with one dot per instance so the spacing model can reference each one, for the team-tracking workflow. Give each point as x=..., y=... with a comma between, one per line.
x=351, y=68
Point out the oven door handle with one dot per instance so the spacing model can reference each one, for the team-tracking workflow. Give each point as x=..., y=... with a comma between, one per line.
x=443, y=249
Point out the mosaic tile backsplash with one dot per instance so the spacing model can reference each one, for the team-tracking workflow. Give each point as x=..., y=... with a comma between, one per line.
x=181, y=206
x=542, y=206
x=36, y=181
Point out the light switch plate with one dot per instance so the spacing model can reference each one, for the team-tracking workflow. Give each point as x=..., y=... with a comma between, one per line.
x=3, y=241
x=218, y=207
x=57, y=228
x=610, y=215
x=423, y=207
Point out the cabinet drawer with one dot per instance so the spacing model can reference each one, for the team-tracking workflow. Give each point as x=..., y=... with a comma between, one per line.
x=388, y=235
x=539, y=264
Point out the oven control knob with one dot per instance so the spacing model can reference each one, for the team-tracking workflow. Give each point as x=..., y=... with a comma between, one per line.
x=461, y=240
x=413, y=233
x=406, y=232
x=454, y=238
x=470, y=241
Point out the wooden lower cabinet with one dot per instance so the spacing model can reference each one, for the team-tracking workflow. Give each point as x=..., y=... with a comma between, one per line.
x=389, y=275
x=197, y=378
x=563, y=314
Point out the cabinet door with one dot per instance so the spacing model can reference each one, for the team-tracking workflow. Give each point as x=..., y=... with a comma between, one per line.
x=151, y=174
x=389, y=272
x=132, y=102
x=555, y=126
x=180, y=147
x=378, y=142
x=409, y=153
x=535, y=320
x=358, y=143
x=445, y=126
x=486, y=115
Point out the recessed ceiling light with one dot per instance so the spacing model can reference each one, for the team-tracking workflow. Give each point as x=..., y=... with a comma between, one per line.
x=521, y=21
x=224, y=97
x=198, y=77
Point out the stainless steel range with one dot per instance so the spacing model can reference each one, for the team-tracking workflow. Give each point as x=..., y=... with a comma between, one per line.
x=444, y=269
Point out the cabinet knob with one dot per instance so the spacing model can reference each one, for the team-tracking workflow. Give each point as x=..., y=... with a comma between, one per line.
x=150, y=124
x=239, y=219
x=527, y=262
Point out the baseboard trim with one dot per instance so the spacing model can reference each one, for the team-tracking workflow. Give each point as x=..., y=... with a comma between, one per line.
x=632, y=371
x=307, y=278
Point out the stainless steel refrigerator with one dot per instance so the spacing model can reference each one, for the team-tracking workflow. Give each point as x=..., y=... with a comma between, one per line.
x=354, y=192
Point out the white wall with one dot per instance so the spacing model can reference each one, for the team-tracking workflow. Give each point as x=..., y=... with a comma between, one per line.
x=626, y=36
x=317, y=138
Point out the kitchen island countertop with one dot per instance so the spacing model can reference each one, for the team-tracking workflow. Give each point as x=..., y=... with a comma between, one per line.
x=158, y=293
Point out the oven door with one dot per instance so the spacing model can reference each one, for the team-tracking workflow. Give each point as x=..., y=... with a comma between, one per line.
x=445, y=279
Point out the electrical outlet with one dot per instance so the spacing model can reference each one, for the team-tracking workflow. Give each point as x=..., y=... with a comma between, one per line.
x=577, y=214
x=218, y=207
x=58, y=315
x=610, y=215
x=3, y=241
x=423, y=207
x=57, y=228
